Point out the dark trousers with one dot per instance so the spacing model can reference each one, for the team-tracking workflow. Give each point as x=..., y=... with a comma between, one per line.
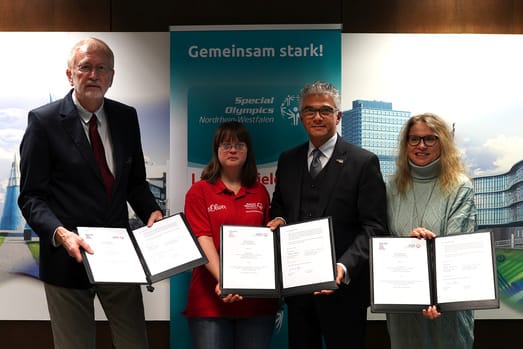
x=73, y=319
x=335, y=318
x=232, y=333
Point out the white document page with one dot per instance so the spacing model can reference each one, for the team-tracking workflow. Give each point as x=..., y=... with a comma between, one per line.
x=400, y=271
x=464, y=268
x=248, y=260
x=114, y=258
x=167, y=244
x=306, y=253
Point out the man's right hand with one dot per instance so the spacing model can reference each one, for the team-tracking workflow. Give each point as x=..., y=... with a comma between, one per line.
x=72, y=243
x=275, y=223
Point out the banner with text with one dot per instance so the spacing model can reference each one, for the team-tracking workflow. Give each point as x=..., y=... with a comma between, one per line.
x=251, y=74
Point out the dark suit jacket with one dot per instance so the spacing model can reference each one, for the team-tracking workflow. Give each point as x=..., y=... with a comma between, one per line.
x=354, y=197
x=61, y=184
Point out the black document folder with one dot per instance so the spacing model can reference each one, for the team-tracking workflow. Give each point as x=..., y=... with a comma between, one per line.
x=295, y=259
x=453, y=272
x=142, y=256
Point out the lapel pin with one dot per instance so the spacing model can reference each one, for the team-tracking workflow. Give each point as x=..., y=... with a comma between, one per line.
x=339, y=161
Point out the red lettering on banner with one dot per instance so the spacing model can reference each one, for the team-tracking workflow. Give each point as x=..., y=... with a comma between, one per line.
x=267, y=179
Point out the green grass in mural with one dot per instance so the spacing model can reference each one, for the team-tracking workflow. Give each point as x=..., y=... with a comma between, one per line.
x=34, y=248
x=510, y=276
x=2, y=238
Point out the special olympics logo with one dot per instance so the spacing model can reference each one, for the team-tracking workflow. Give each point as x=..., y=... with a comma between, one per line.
x=290, y=110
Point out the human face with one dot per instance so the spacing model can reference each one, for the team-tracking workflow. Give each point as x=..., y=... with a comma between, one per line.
x=319, y=128
x=232, y=153
x=91, y=75
x=422, y=154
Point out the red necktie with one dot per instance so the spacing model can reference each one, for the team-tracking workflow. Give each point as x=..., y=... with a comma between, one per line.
x=99, y=154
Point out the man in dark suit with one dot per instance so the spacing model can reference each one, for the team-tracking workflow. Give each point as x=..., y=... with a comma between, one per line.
x=81, y=162
x=342, y=181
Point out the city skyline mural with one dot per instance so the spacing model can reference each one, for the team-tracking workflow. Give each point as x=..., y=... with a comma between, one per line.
x=472, y=81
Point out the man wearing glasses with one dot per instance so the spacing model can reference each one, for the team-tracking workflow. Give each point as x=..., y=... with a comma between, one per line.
x=81, y=163
x=328, y=176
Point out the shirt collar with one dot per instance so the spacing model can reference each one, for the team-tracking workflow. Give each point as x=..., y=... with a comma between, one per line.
x=221, y=188
x=326, y=148
x=85, y=115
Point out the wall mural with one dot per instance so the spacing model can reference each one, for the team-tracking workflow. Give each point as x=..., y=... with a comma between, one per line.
x=472, y=81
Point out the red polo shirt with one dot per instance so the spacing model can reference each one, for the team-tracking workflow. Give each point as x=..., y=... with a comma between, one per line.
x=207, y=207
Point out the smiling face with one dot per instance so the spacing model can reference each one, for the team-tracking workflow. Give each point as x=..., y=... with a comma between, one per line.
x=421, y=154
x=319, y=127
x=91, y=74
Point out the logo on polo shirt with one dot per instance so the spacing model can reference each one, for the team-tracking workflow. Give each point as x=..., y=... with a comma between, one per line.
x=216, y=207
x=253, y=207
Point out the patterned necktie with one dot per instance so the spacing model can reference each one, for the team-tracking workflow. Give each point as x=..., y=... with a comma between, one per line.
x=316, y=163
x=99, y=154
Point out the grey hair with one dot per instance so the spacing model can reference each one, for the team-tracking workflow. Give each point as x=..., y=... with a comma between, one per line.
x=90, y=42
x=321, y=88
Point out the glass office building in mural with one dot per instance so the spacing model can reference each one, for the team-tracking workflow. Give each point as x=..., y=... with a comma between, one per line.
x=499, y=204
x=499, y=201
x=375, y=126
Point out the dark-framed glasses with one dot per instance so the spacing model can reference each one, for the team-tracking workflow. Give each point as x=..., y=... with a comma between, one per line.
x=428, y=140
x=325, y=112
x=237, y=146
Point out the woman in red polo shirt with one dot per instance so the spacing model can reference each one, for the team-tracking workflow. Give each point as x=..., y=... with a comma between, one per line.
x=228, y=193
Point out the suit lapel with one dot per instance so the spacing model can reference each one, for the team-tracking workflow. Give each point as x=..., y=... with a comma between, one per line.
x=72, y=124
x=117, y=131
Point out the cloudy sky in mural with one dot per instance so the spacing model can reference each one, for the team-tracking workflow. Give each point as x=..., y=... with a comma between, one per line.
x=33, y=73
x=472, y=81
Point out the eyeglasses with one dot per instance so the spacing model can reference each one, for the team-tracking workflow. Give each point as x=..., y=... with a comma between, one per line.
x=325, y=112
x=87, y=68
x=237, y=146
x=429, y=140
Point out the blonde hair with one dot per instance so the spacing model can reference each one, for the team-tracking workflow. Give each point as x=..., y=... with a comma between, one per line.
x=452, y=167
